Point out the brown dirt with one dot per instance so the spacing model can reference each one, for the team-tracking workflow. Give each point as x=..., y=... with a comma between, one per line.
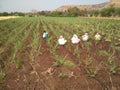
x=41, y=74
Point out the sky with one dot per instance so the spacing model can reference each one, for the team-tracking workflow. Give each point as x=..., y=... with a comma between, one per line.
x=40, y=5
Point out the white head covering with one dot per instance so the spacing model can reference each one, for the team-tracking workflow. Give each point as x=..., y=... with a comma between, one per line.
x=85, y=37
x=75, y=36
x=75, y=39
x=61, y=37
x=61, y=40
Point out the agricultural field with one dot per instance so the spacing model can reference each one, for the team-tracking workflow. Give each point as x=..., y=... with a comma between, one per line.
x=29, y=62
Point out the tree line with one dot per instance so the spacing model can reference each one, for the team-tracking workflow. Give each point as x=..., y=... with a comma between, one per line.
x=105, y=12
x=71, y=12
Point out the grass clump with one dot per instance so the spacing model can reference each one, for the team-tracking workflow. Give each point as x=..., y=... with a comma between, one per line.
x=2, y=75
x=103, y=53
x=61, y=61
x=62, y=75
x=18, y=62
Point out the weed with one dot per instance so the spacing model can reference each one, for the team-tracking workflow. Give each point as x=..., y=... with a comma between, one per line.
x=2, y=62
x=18, y=62
x=2, y=75
x=103, y=53
x=31, y=56
x=88, y=61
x=88, y=45
x=111, y=66
x=91, y=72
x=77, y=52
x=60, y=61
x=68, y=63
x=62, y=75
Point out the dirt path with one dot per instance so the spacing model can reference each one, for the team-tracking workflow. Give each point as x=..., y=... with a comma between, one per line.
x=8, y=17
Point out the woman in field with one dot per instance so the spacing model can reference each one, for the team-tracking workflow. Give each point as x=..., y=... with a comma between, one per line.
x=75, y=39
x=45, y=34
x=85, y=37
x=61, y=40
x=97, y=37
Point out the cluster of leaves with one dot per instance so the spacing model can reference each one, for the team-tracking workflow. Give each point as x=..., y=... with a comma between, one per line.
x=73, y=12
x=12, y=14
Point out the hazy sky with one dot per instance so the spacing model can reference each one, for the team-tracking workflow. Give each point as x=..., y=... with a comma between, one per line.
x=28, y=5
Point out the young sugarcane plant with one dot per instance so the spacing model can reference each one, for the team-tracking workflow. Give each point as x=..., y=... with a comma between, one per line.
x=77, y=53
x=92, y=72
x=2, y=75
x=62, y=61
x=111, y=66
x=18, y=62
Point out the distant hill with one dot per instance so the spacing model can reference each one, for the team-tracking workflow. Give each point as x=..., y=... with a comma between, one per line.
x=90, y=7
x=116, y=3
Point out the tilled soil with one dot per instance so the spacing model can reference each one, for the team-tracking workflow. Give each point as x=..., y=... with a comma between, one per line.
x=41, y=74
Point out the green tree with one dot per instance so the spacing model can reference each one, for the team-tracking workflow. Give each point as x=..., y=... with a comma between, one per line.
x=94, y=13
x=4, y=14
x=117, y=12
x=56, y=13
x=110, y=11
x=74, y=11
